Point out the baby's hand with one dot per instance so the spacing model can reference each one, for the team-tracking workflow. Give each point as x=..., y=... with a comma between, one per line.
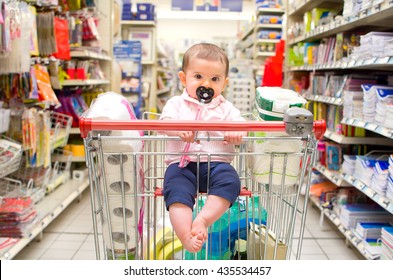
x=187, y=136
x=233, y=137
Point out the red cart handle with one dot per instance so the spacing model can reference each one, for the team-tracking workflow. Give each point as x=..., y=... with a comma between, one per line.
x=87, y=124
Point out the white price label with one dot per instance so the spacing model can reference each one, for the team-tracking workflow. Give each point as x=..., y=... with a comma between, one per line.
x=371, y=126
x=383, y=60
x=370, y=192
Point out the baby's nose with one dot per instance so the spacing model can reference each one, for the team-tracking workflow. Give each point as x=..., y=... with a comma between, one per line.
x=206, y=83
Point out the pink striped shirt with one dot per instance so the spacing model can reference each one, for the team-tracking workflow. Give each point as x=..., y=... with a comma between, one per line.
x=184, y=107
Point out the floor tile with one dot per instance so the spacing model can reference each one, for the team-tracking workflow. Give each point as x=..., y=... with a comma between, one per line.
x=58, y=254
x=84, y=255
x=30, y=253
x=70, y=236
x=313, y=257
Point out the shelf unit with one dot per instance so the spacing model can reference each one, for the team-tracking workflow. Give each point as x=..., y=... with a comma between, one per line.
x=376, y=17
x=105, y=64
x=56, y=201
x=48, y=210
x=351, y=238
x=254, y=47
x=149, y=70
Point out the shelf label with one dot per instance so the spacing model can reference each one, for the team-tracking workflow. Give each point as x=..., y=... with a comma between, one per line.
x=371, y=126
x=370, y=192
x=383, y=60
x=351, y=63
x=384, y=202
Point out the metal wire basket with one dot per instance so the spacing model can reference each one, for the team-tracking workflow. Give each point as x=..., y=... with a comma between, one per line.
x=10, y=155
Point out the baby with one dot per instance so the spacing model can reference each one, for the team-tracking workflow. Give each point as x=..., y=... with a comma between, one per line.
x=204, y=75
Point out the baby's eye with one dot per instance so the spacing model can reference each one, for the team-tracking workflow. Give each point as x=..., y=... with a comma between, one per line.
x=198, y=76
x=215, y=79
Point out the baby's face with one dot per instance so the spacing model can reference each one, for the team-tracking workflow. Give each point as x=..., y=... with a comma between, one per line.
x=206, y=73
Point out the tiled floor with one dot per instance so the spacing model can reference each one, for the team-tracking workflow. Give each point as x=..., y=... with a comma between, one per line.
x=70, y=237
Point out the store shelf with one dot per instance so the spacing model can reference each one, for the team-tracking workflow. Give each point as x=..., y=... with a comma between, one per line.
x=89, y=55
x=341, y=139
x=384, y=131
x=250, y=41
x=298, y=8
x=163, y=91
x=356, y=242
x=325, y=99
x=270, y=11
x=375, y=63
x=377, y=18
x=383, y=201
x=333, y=176
x=377, y=15
x=269, y=26
x=264, y=54
x=136, y=23
x=48, y=210
x=77, y=82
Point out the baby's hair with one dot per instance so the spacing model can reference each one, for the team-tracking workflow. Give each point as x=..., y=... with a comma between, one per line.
x=206, y=51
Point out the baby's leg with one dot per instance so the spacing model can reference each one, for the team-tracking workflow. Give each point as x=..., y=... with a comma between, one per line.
x=181, y=220
x=213, y=209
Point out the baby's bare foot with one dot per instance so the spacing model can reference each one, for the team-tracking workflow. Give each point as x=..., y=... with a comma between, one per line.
x=199, y=229
x=192, y=243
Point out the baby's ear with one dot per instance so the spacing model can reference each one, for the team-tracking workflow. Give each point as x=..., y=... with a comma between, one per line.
x=182, y=77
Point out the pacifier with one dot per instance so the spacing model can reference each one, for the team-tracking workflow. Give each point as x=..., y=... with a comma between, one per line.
x=205, y=95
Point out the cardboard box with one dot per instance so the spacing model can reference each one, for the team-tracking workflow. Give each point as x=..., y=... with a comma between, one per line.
x=256, y=245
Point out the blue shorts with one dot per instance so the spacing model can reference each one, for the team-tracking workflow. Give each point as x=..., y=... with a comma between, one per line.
x=180, y=184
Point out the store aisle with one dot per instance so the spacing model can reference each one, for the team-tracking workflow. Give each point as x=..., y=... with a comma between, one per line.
x=70, y=237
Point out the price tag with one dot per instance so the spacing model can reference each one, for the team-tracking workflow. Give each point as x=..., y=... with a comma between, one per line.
x=371, y=126
x=383, y=201
x=370, y=192
x=381, y=130
x=363, y=13
x=351, y=63
x=383, y=60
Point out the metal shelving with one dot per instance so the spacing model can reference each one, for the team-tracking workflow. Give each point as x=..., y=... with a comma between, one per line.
x=48, y=210
x=377, y=17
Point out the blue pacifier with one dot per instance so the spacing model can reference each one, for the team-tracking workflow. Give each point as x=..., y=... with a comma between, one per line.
x=205, y=95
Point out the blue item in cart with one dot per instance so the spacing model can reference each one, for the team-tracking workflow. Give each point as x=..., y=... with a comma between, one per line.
x=230, y=227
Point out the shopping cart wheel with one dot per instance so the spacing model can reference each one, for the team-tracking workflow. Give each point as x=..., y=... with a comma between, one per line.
x=298, y=122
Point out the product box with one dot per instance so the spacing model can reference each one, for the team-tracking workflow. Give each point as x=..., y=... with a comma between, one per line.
x=144, y=16
x=128, y=54
x=145, y=8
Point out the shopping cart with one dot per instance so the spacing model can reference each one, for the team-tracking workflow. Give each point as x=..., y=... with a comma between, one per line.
x=126, y=177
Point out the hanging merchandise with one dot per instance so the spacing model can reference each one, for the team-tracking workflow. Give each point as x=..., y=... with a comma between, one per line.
x=64, y=5
x=62, y=39
x=75, y=31
x=14, y=86
x=90, y=31
x=74, y=5
x=45, y=92
x=5, y=31
x=16, y=37
x=33, y=31
x=46, y=33
x=45, y=139
x=29, y=128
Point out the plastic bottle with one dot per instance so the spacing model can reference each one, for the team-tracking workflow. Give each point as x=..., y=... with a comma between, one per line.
x=240, y=250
